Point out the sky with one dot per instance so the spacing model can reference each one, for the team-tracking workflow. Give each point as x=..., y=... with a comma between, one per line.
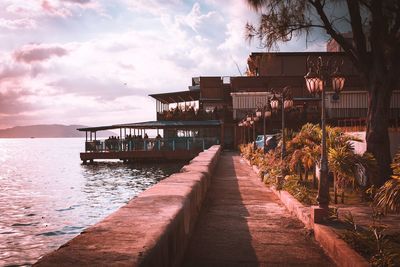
x=94, y=62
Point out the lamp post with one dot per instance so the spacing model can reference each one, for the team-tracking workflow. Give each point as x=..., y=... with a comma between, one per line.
x=248, y=124
x=286, y=103
x=240, y=124
x=318, y=76
x=253, y=125
x=264, y=112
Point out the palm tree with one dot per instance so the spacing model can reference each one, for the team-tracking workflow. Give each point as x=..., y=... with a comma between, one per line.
x=341, y=163
x=303, y=149
x=388, y=196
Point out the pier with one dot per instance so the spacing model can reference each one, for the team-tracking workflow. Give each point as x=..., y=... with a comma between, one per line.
x=182, y=140
x=215, y=212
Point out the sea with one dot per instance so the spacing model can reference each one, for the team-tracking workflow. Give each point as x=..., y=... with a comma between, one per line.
x=47, y=196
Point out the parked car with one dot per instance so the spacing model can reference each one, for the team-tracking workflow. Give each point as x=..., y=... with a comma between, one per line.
x=270, y=143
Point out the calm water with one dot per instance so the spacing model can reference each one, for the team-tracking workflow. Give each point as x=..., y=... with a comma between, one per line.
x=47, y=196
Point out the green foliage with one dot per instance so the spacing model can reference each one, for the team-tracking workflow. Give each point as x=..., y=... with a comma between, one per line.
x=298, y=190
x=372, y=243
x=388, y=196
x=302, y=154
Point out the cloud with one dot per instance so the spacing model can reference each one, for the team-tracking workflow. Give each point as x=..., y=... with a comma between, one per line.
x=38, y=52
x=210, y=25
x=24, y=23
x=39, y=9
x=9, y=72
x=103, y=74
x=55, y=10
x=81, y=2
x=12, y=103
x=155, y=7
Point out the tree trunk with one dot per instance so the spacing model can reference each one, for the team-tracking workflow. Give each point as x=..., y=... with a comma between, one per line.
x=377, y=136
x=315, y=176
x=342, y=196
x=306, y=175
x=335, y=188
x=300, y=173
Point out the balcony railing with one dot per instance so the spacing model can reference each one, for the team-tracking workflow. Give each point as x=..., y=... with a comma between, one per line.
x=150, y=144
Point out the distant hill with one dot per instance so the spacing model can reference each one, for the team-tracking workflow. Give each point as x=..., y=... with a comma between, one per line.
x=47, y=131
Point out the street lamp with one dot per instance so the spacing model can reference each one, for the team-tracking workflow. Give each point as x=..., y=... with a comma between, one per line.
x=264, y=112
x=286, y=103
x=246, y=136
x=316, y=80
x=253, y=124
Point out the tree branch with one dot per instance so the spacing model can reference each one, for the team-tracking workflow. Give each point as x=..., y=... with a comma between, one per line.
x=347, y=47
x=396, y=26
x=358, y=33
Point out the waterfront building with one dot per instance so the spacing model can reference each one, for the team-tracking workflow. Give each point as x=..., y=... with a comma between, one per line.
x=212, y=107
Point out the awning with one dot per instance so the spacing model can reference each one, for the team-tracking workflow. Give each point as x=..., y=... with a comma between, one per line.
x=177, y=97
x=157, y=125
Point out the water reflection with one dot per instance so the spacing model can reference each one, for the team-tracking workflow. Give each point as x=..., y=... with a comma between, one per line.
x=47, y=196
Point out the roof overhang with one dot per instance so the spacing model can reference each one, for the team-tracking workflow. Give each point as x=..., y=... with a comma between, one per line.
x=178, y=97
x=157, y=125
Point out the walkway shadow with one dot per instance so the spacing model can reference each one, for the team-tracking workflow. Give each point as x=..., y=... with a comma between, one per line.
x=221, y=236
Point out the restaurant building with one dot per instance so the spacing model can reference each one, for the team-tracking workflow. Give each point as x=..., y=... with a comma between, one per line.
x=212, y=107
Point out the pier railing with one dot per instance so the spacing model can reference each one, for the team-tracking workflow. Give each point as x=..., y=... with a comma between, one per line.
x=165, y=144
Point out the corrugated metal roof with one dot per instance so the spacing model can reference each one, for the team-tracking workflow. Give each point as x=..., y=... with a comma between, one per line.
x=157, y=125
x=177, y=97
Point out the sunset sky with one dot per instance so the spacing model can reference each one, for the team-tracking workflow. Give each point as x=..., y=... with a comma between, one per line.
x=93, y=62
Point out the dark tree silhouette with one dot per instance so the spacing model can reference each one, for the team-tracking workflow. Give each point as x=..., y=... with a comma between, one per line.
x=374, y=51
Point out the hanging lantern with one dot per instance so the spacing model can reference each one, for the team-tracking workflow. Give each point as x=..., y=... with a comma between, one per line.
x=313, y=82
x=288, y=103
x=274, y=103
x=337, y=81
x=258, y=113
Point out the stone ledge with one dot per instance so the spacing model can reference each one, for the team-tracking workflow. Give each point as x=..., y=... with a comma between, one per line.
x=151, y=230
x=337, y=249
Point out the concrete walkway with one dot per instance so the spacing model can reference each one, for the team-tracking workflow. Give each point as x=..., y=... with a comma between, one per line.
x=242, y=223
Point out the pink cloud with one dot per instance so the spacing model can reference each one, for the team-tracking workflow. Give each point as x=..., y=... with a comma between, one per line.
x=12, y=102
x=38, y=52
x=23, y=23
x=56, y=11
x=81, y=2
x=12, y=73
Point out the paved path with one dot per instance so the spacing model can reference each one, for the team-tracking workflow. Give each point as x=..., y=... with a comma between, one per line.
x=243, y=224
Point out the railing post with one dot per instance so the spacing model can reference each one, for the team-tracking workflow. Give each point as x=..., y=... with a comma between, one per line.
x=145, y=145
x=203, y=144
x=187, y=144
x=173, y=145
x=159, y=144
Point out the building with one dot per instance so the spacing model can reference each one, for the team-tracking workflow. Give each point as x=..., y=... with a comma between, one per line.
x=232, y=98
x=212, y=107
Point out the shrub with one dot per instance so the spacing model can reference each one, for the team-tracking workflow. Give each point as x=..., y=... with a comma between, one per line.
x=388, y=196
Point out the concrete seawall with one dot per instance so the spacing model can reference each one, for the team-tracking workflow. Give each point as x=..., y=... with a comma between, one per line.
x=151, y=230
